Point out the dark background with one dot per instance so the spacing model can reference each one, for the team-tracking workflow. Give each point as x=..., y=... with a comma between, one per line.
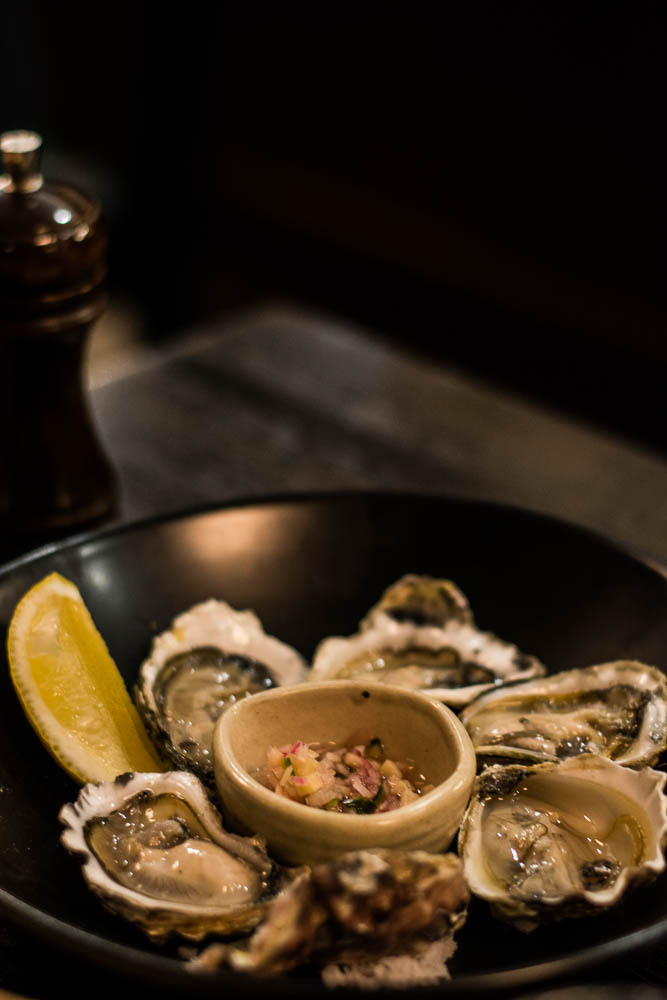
x=485, y=187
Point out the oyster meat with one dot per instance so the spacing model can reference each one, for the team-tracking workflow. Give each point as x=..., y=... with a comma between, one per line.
x=153, y=848
x=615, y=709
x=422, y=635
x=210, y=657
x=554, y=840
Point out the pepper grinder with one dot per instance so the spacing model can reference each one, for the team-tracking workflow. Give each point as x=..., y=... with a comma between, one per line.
x=54, y=476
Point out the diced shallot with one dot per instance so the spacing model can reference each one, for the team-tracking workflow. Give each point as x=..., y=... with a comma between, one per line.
x=346, y=779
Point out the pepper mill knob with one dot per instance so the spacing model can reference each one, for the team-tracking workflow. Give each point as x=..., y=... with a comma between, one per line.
x=21, y=154
x=54, y=476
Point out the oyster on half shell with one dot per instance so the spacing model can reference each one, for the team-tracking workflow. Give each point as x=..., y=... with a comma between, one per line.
x=153, y=848
x=615, y=709
x=558, y=840
x=210, y=657
x=422, y=635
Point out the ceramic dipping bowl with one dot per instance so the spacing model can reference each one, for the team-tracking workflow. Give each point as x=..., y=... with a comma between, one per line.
x=343, y=713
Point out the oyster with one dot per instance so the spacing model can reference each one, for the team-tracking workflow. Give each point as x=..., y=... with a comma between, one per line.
x=567, y=839
x=360, y=908
x=210, y=657
x=154, y=849
x=422, y=635
x=615, y=709
x=421, y=600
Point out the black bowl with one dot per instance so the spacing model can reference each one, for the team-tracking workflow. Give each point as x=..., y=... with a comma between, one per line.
x=311, y=567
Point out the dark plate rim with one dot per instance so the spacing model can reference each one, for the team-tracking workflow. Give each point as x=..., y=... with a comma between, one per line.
x=169, y=970
x=315, y=496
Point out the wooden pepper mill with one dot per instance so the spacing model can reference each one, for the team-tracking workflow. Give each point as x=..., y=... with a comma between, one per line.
x=54, y=476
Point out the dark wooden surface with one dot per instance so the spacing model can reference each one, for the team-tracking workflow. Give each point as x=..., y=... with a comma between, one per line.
x=280, y=401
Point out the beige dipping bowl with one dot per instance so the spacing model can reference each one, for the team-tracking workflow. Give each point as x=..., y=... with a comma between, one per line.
x=345, y=713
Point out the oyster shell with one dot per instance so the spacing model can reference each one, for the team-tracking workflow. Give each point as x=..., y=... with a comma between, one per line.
x=357, y=908
x=422, y=635
x=153, y=848
x=567, y=839
x=615, y=709
x=210, y=657
x=422, y=600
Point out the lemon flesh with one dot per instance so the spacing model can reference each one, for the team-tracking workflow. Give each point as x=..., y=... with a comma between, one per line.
x=70, y=688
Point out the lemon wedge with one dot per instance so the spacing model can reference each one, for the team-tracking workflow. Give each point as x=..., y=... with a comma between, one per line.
x=70, y=688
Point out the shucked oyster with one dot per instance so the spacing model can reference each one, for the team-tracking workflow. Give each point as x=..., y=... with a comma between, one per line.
x=210, y=657
x=615, y=709
x=154, y=849
x=568, y=839
x=422, y=635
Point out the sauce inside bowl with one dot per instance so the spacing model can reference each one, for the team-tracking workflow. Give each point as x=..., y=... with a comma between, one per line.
x=360, y=779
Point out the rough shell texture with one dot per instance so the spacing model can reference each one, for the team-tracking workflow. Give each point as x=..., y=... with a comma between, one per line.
x=363, y=905
x=547, y=841
x=618, y=710
x=176, y=840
